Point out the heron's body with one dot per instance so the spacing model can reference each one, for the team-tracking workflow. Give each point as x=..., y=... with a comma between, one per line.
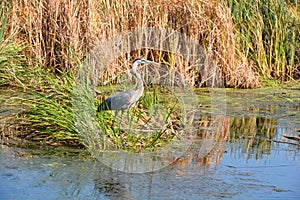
x=126, y=99
x=120, y=101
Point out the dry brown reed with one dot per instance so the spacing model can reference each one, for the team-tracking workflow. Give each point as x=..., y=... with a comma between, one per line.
x=59, y=32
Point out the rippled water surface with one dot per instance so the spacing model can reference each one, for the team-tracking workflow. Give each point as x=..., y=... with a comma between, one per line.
x=250, y=158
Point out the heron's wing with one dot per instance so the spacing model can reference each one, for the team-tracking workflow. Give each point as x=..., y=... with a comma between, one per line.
x=119, y=101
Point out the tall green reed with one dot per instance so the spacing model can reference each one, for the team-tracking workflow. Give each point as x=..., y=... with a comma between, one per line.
x=266, y=33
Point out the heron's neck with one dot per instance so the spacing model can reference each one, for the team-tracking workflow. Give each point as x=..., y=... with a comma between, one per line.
x=140, y=84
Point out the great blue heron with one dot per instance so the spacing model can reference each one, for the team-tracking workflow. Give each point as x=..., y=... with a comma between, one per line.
x=126, y=99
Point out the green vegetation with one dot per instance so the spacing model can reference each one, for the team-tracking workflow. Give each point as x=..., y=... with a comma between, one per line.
x=43, y=45
x=49, y=116
x=268, y=34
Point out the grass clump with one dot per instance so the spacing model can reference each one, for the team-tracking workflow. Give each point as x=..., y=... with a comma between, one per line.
x=46, y=115
x=50, y=116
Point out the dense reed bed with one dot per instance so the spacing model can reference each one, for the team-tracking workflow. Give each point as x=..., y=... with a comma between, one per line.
x=246, y=39
x=43, y=44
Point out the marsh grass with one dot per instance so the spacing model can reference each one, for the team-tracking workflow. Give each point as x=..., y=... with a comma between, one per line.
x=49, y=117
x=244, y=38
x=43, y=96
x=55, y=30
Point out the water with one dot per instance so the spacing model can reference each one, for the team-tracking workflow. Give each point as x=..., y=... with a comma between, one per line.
x=249, y=160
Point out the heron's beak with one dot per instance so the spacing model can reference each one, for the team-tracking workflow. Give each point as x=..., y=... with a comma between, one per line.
x=150, y=62
x=144, y=61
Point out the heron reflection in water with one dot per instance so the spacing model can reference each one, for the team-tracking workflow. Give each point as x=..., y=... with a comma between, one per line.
x=124, y=100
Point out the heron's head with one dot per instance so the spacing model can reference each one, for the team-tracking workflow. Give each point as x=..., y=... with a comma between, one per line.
x=138, y=61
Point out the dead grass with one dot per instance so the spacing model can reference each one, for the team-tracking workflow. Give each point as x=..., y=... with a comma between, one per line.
x=59, y=32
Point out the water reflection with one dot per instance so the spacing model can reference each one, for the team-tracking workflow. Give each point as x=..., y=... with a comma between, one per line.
x=80, y=177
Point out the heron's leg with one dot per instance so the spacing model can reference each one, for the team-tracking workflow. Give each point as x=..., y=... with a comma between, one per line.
x=112, y=126
x=121, y=139
x=116, y=113
x=122, y=111
x=113, y=122
x=130, y=120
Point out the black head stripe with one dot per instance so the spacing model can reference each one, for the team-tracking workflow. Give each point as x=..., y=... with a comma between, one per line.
x=137, y=59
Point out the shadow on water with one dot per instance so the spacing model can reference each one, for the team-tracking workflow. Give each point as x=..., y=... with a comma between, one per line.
x=245, y=155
